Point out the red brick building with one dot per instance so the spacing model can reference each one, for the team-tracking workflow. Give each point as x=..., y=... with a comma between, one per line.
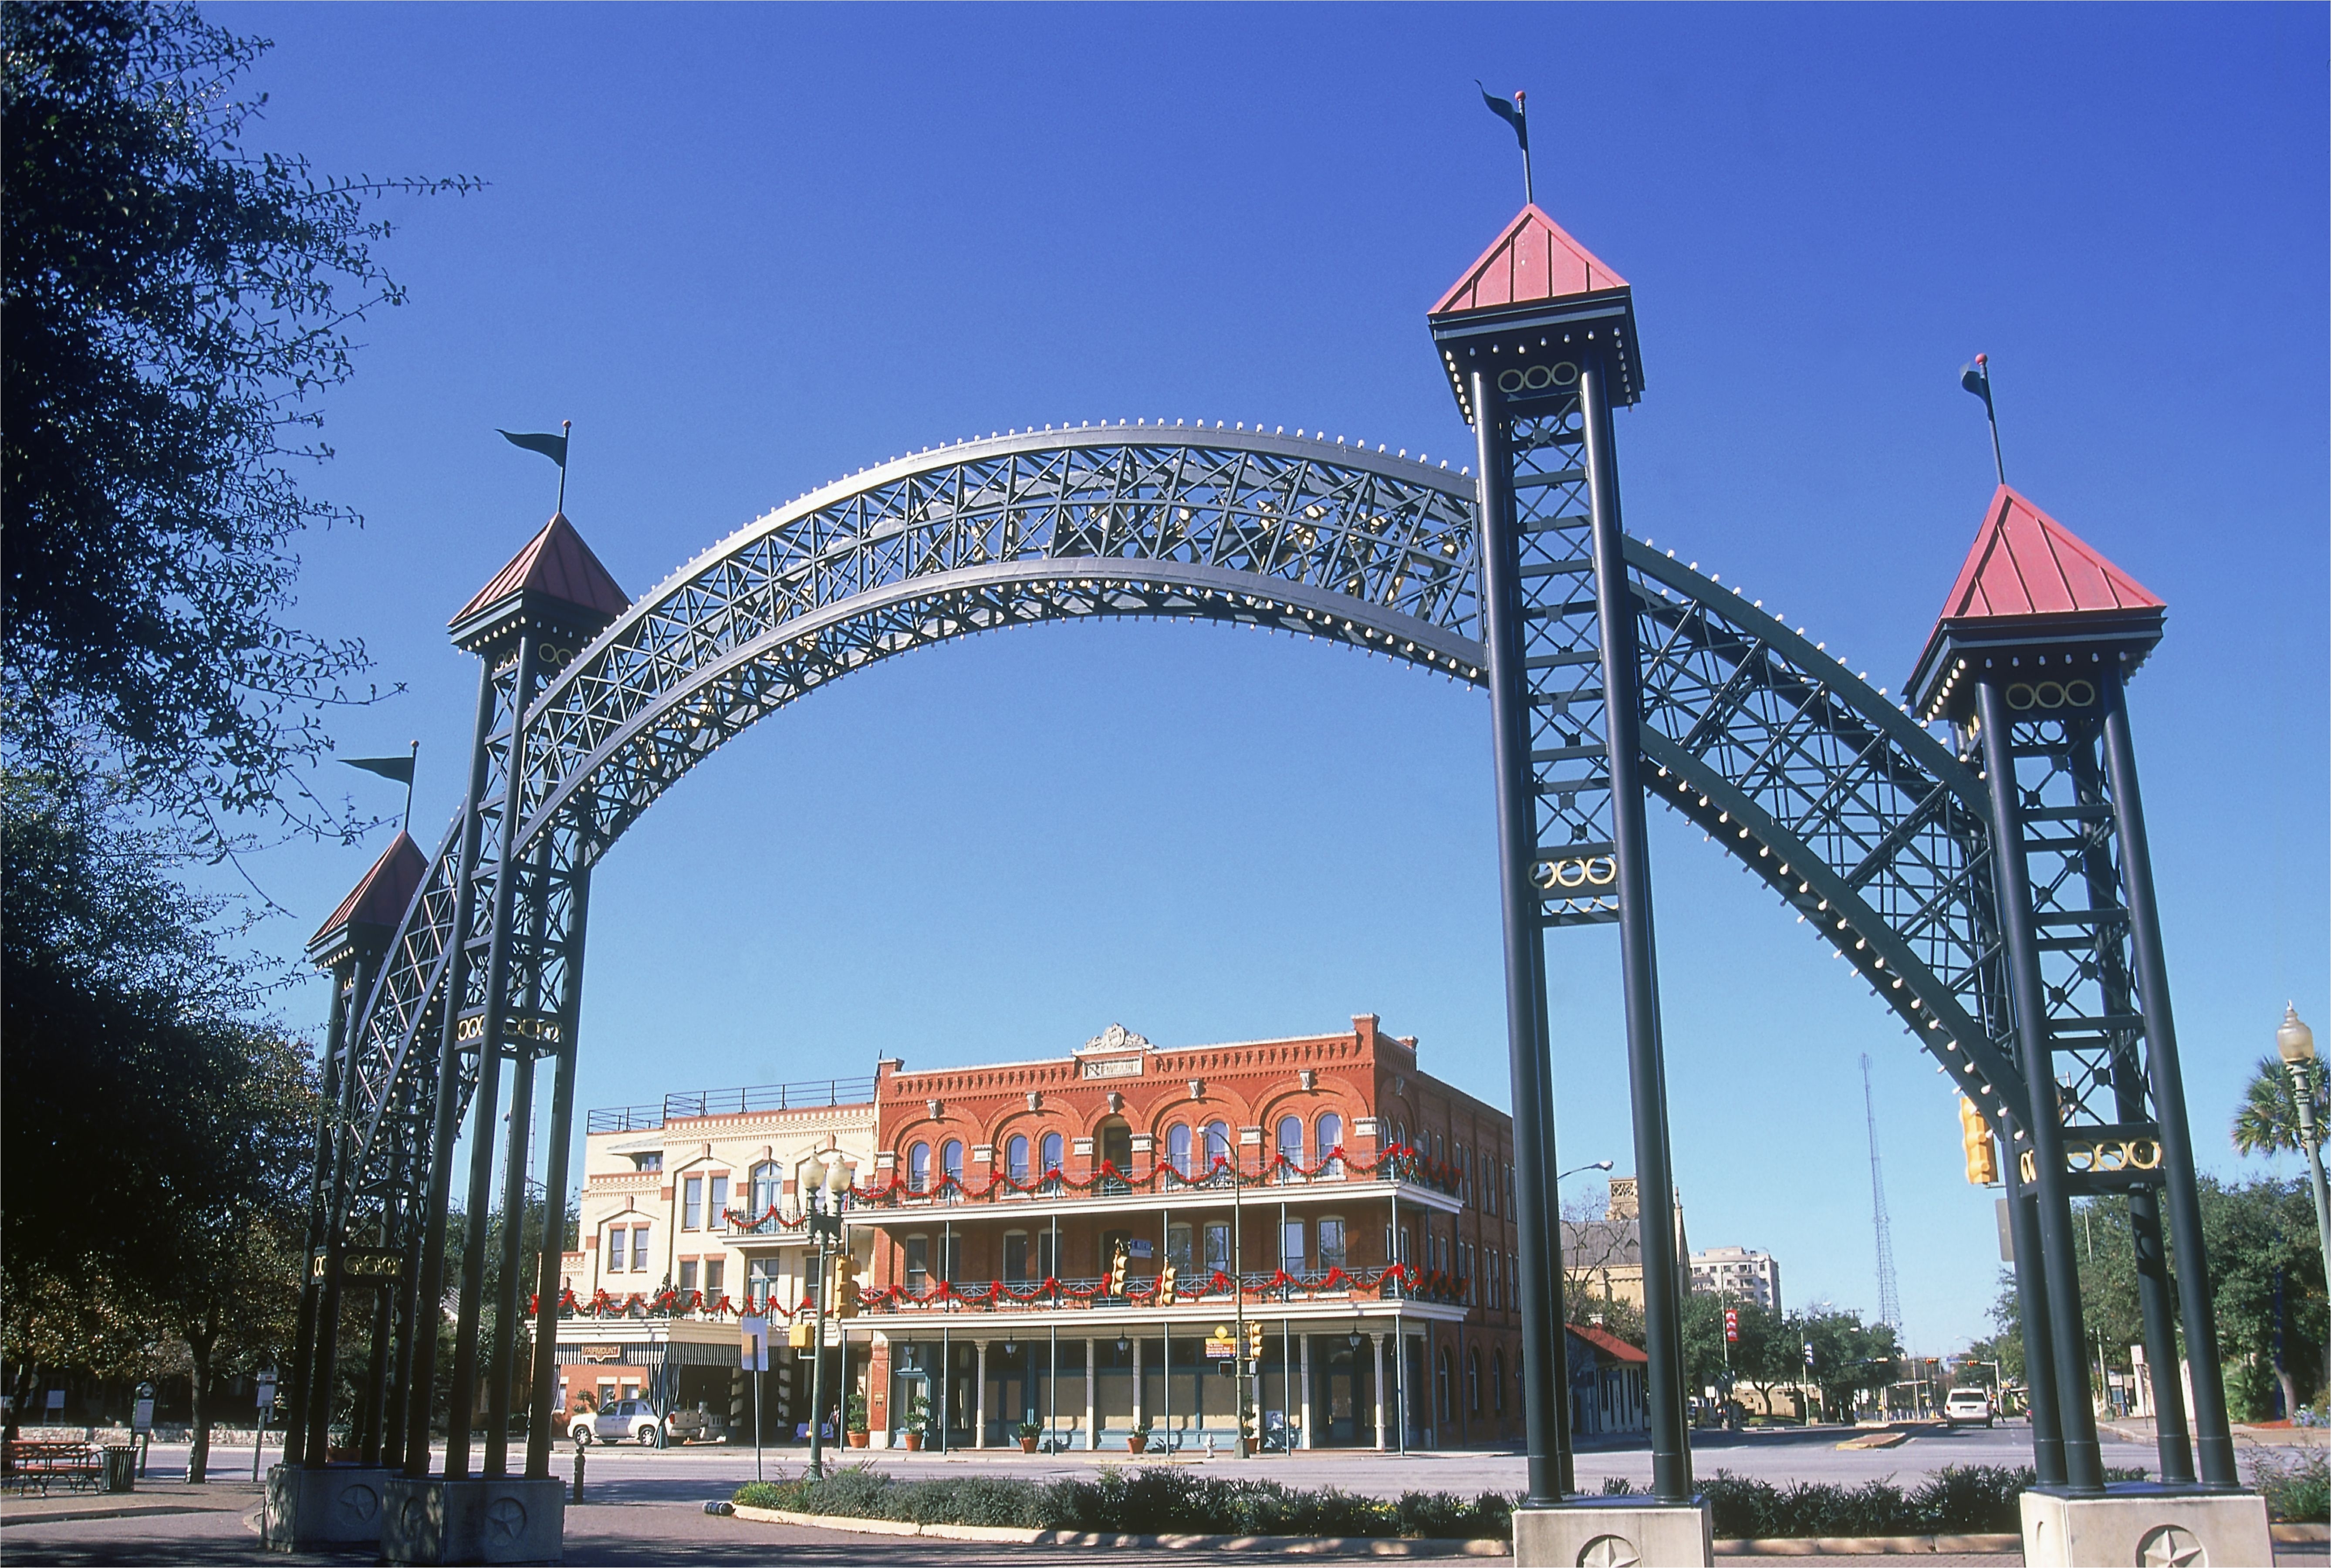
x=1322, y=1191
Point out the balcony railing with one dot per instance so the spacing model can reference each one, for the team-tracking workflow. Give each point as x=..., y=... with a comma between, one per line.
x=1398, y=1163
x=809, y=1094
x=1396, y=1282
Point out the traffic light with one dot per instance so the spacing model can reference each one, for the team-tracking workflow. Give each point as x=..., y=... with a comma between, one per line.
x=1809, y=1354
x=845, y=1286
x=1731, y=1325
x=801, y=1335
x=1981, y=1153
x=1116, y=1270
x=1254, y=1339
x=1165, y=1286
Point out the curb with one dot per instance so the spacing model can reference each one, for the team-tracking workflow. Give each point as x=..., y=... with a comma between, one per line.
x=78, y=1516
x=1867, y=1545
x=1275, y=1546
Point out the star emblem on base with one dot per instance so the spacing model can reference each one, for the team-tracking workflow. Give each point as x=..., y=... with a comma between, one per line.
x=1610, y=1552
x=359, y=1503
x=2171, y=1546
x=505, y=1520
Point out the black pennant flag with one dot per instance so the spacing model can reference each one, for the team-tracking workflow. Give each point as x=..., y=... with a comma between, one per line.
x=1514, y=114
x=399, y=768
x=553, y=447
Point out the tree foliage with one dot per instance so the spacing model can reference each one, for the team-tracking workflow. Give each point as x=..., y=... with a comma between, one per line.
x=174, y=304
x=2266, y=1122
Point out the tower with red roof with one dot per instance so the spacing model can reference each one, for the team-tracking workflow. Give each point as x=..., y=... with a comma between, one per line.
x=1538, y=340
x=2029, y=662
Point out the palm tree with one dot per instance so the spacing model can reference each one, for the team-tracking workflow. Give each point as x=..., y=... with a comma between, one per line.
x=2268, y=1121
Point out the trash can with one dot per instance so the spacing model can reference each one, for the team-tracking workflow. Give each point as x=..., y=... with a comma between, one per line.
x=120, y=1469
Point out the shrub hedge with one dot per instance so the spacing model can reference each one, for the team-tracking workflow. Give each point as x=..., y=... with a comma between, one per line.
x=1956, y=1500
x=2297, y=1485
x=1150, y=1501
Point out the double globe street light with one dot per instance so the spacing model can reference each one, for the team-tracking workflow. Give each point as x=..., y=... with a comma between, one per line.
x=2296, y=1043
x=826, y=1184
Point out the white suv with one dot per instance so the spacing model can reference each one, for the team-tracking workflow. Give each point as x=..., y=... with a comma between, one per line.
x=1967, y=1406
x=634, y=1419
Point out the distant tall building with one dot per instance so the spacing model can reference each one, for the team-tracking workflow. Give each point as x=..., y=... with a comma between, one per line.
x=1738, y=1272
x=1604, y=1257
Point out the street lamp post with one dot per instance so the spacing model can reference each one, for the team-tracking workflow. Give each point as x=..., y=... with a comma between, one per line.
x=825, y=1181
x=2296, y=1042
x=1591, y=1165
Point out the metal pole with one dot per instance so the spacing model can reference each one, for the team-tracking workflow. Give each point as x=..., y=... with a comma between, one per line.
x=2043, y=1121
x=303, y=1353
x=2039, y=1344
x=319, y=1410
x=485, y=1099
x=429, y=1282
x=1638, y=958
x=548, y=1288
x=817, y=1353
x=1545, y=1421
x=2214, y=1441
x=2156, y=1297
x=2302, y=1082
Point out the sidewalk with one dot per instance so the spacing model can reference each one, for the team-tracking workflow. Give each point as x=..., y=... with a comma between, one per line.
x=2140, y=1429
x=152, y=1500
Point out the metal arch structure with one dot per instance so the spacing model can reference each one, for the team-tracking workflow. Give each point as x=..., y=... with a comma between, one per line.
x=1858, y=817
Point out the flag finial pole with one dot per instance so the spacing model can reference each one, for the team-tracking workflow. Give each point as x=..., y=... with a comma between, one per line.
x=1515, y=114
x=415, y=767
x=1976, y=378
x=566, y=431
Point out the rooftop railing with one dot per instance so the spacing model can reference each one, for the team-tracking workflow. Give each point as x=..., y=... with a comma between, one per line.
x=807, y=1094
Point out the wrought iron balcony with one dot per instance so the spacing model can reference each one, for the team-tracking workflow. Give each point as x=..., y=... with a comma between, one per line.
x=1400, y=1163
x=811, y=1094
x=1398, y=1282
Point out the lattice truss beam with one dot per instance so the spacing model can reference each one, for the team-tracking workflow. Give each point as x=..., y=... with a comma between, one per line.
x=2095, y=1032
x=1862, y=822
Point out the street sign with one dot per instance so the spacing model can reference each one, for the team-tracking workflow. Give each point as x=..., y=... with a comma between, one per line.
x=56, y=1399
x=753, y=1331
x=266, y=1395
x=141, y=1416
x=1140, y=1246
x=1221, y=1345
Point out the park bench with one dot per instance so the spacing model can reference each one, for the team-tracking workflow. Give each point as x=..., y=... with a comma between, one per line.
x=79, y=1467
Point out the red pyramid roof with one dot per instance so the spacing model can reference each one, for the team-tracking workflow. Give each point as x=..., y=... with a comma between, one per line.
x=2026, y=563
x=555, y=563
x=381, y=898
x=1608, y=1342
x=1533, y=259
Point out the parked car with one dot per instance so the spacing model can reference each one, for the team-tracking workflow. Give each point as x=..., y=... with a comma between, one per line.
x=634, y=1419
x=1967, y=1406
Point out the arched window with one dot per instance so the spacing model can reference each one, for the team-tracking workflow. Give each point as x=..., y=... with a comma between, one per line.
x=1473, y=1382
x=1498, y=1380
x=1218, y=1143
x=767, y=1184
x=1177, y=1148
x=1115, y=1146
x=1015, y=1159
x=951, y=1160
x=1447, y=1379
x=1329, y=1138
x=1052, y=1154
x=1291, y=1147
x=919, y=1168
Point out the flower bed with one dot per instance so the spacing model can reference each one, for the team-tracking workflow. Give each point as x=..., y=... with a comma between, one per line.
x=1956, y=1500
x=1150, y=1501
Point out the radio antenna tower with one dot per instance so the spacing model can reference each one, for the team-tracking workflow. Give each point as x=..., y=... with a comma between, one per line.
x=1889, y=1295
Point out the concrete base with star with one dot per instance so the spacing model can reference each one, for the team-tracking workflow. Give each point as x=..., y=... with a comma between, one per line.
x=477, y=1519
x=2149, y=1525
x=312, y=1510
x=1624, y=1532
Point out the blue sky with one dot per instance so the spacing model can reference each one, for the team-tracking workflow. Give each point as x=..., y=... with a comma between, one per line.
x=747, y=250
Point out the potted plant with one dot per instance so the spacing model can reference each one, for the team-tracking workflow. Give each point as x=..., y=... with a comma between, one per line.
x=853, y=1419
x=915, y=1422
x=1027, y=1433
x=1137, y=1440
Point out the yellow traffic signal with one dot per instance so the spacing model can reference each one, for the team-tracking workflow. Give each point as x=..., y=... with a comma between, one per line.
x=1981, y=1153
x=845, y=1286
x=1254, y=1339
x=801, y=1335
x=1116, y=1270
x=1165, y=1286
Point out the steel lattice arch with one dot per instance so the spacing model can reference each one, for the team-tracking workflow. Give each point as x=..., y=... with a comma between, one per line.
x=1863, y=822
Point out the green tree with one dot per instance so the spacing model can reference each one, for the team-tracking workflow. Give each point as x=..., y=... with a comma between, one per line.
x=2266, y=1120
x=1849, y=1356
x=174, y=304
